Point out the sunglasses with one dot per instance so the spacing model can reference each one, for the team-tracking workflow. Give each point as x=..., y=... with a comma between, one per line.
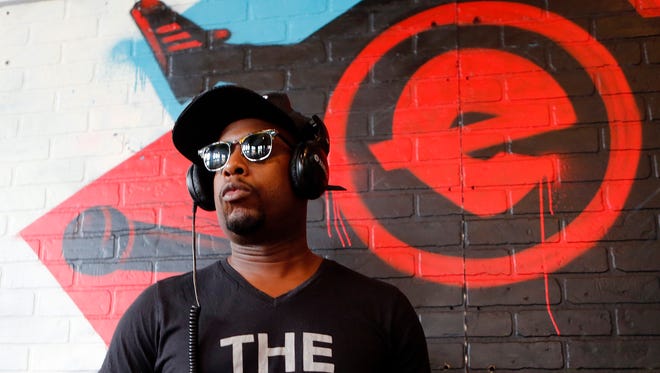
x=255, y=147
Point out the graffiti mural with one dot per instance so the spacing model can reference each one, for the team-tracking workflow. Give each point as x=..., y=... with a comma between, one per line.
x=484, y=145
x=476, y=129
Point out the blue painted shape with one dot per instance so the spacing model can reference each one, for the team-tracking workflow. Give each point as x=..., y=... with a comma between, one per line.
x=267, y=22
x=256, y=22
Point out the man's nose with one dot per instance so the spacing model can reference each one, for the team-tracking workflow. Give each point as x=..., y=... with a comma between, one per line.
x=236, y=164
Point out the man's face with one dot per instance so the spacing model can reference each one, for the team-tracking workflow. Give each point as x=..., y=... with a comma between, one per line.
x=255, y=198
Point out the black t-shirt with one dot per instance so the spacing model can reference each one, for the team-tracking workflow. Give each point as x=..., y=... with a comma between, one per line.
x=337, y=321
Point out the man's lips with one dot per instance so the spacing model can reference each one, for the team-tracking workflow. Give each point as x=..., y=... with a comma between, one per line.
x=235, y=191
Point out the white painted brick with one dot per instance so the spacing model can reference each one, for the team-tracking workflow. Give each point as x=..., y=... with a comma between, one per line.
x=66, y=358
x=26, y=276
x=5, y=175
x=8, y=127
x=137, y=139
x=118, y=24
x=18, y=330
x=81, y=331
x=18, y=14
x=64, y=75
x=12, y=34
x=48, y=124
x=3, y=225
x=25, y=149
x=55, y=302
x=26, y=102
x=26, y=198
x=23, y=56
x=65, y=29
x=13, y=357
x=97, y=8
x=19, y=219
x=51, y=172
x=56, y=193
x=14, y=302
x=86, y=144
x=91, y=95
x=11, y=80
x=97, y=166
x=101, y=50
x=14, y=248
x=125, y=116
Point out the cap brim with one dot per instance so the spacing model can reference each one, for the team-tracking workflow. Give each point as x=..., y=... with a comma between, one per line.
x=207, y=115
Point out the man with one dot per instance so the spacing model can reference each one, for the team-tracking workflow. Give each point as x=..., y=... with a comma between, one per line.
x=272, y=305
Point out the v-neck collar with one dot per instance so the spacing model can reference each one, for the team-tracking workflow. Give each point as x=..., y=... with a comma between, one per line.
x=260, y=295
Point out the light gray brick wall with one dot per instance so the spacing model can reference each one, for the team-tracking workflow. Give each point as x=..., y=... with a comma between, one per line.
x=69, y=112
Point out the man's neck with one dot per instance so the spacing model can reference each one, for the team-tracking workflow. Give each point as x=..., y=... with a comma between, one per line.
x=277, y=268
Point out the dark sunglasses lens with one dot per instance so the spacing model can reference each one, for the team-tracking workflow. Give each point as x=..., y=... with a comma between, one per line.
x=216, y=156
x=257, y=147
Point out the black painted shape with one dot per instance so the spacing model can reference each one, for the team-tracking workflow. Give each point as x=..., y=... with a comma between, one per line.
x=101, y=240
x=173, y=37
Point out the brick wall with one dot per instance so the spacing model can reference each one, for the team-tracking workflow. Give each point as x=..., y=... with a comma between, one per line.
x=501, y=160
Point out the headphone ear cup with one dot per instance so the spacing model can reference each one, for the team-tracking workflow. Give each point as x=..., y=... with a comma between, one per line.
x=309, y=170
x=200, y=187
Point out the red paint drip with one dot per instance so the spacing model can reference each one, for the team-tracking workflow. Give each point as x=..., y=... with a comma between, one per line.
x=343, y=244
x=327, y=214
x=545, y=272
x=547, y=303
x=339, y=219
x=552, y=211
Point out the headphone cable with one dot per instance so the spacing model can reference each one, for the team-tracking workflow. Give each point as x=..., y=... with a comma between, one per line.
x=194, y=254
x=193, y=316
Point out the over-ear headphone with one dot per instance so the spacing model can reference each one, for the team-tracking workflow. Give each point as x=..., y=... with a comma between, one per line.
x=308, y=169
x=200, y=186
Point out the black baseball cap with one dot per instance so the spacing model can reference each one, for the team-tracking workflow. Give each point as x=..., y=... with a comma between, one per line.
x=207, y=115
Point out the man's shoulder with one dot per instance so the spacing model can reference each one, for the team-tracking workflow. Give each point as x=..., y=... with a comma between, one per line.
x=171, y=285
x=357, y=280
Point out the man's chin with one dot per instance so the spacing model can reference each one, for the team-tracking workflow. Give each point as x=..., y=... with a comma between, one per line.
x=243, y=224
